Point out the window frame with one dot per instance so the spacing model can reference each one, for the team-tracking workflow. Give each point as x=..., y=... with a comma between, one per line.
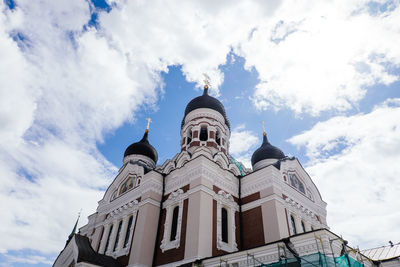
x=225, y=200
x=128, y=231
x=175, y=199
x=174, y=224
x=131, y=181
x=293, y=224
x=295, y=182
x=303, y=226
x=203, y=130
x=224, y=225
x=117, y=237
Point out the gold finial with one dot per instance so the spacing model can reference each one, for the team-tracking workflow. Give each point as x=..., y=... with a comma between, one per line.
x=148, y=124
x=263, y=127
x=207, y=83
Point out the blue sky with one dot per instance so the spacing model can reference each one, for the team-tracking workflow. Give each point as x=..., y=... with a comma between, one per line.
x=78, y=79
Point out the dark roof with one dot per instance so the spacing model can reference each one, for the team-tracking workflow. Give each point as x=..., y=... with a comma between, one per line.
x=266, y=151
x=87, y=254
x=142, y=147
x=206, y=101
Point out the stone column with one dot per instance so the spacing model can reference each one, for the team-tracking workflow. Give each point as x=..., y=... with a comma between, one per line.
x=123, y=232
x=96, y=237
x=112, y=237
x=104, y=239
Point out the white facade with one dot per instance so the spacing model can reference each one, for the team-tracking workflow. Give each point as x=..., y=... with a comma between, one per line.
x=200, y=204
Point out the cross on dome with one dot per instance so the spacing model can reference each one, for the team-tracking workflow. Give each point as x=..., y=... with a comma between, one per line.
x=263, y=127
x=207, y=83
x=148, y=124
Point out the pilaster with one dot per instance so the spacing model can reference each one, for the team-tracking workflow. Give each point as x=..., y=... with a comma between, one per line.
x=199, y=225
x=104, y=239
x=145, y=234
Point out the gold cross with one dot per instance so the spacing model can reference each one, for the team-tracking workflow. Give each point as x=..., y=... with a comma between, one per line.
x=262, y=123
x=206, y=80
x=148, y=123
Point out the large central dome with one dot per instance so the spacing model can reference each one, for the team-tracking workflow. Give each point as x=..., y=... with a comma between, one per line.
x=206, y=101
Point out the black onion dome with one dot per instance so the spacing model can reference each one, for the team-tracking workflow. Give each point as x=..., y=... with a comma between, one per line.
x=266, y=151
x=206, y=101
x=142, y=147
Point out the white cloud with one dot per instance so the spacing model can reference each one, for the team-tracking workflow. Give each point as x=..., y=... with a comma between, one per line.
x=196, y=35
x=61, y=89
x=354, y=161
x=322, y=55
x=242, y=143
x=30, y=259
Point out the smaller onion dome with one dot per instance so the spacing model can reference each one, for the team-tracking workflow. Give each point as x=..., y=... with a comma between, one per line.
x=143, y=147
x=266, y=151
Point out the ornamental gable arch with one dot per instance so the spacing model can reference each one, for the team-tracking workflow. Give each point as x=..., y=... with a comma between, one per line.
x=221, y=160
x=182, y=158
x=124, y=172
x=288, y=166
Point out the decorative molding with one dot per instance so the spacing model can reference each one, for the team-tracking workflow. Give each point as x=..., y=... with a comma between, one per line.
x=204, y=113
x=225, y=200
x=175, y=199
x=120, y=211
x=136, y=157
x=224, y=179
x=302, y=213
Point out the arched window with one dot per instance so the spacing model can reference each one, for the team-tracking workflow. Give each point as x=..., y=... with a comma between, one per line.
x=189, y=137
x=293, y=224
x=218, y=138
x=108, y=238
x=224, y=225
x=117, y=237
x=303, y=226
x=203, y=133
x=128, y=184
x=296, y=183
x=174, y=225
x=301, y=187
x=128, y=231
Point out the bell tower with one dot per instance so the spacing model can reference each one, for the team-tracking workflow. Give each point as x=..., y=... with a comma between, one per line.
x=205, y=124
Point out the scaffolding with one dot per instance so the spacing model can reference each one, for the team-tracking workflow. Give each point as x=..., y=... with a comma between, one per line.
x=324, y=257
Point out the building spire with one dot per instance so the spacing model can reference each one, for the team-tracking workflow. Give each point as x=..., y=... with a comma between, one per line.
x=75, y=226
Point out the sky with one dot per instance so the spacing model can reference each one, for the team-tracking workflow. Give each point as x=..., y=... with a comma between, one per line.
x=79, y=77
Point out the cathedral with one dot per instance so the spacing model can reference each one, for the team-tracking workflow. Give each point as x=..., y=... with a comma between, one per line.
x=203, y=208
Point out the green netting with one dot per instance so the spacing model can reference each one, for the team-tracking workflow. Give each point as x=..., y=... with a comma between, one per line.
x=315, y=260
x=344, y=261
